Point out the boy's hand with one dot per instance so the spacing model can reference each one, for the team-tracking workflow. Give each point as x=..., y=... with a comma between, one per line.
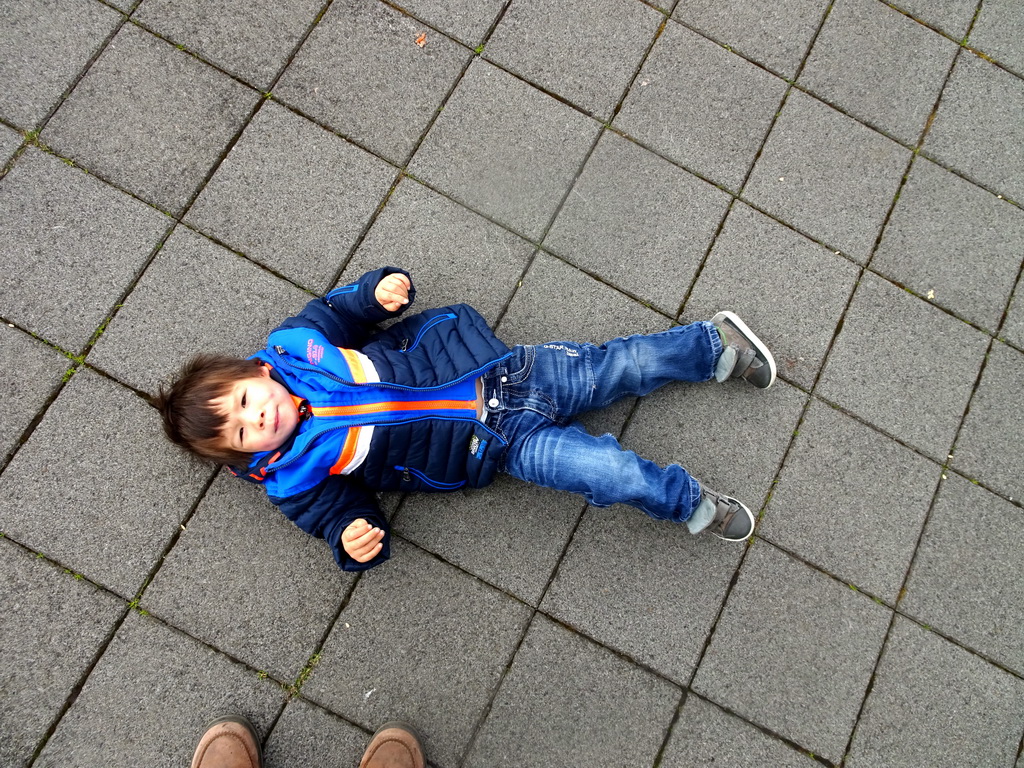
x=393, y=291
x=362, y=541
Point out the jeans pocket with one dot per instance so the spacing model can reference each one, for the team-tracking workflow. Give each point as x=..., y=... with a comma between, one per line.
x=529, y=355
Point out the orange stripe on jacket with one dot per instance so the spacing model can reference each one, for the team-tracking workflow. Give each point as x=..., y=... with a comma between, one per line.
x=348, y=451
x=355, y=365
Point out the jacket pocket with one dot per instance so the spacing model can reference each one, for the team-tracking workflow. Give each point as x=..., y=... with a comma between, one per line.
x=425, y=328
x=408, y=473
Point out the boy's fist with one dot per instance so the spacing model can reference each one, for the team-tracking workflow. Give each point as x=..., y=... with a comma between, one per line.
x=362, y=541
x=393, y=291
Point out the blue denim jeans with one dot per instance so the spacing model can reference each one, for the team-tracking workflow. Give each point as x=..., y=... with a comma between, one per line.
x=533, y=398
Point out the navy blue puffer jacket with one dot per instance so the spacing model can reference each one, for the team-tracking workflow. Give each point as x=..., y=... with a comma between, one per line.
x=414, y=450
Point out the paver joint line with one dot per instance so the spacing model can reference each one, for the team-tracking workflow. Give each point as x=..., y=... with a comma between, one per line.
x=894, y=607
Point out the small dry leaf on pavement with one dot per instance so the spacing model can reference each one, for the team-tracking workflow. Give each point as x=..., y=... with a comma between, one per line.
x=422, y=39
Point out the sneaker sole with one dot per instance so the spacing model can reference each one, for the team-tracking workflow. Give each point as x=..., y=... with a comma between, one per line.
x=758, y=345
x=750, y=517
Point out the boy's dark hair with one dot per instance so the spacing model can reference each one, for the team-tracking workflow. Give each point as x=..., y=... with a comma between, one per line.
x=190, y=418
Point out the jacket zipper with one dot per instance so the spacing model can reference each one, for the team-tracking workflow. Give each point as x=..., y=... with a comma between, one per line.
x=309, y=444
x=389, y=385
x=303, y=452
x=425, y=328
x=432, y=483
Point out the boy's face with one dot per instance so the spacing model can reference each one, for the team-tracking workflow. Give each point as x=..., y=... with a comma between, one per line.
x=260, y=413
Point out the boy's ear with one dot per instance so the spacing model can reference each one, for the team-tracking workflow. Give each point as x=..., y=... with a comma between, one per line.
x=264, y=370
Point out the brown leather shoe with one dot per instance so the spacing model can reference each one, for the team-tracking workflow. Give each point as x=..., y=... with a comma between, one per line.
x=394, y=745
x=229, y=742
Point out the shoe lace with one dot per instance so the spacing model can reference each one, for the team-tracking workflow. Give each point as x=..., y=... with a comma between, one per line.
x=725, y=511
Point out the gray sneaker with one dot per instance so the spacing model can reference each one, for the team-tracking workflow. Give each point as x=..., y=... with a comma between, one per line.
x=733, y=520
x=745, y=355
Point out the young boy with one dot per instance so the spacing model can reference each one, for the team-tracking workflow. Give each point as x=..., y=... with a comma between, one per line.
x=334, y=408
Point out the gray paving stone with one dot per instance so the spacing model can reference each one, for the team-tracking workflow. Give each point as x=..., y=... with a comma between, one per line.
x=264, y=571
x=10, y=140
x=776, y=35
x=979, y=128
x=827, y=175
x=950, y=16
x=705, y=735
x=195, y=297
x=385, y=89
x=466, y=20
x=648, y=588
x=292, y=196
x=419, y=642
x=954, y=241
x=32, y=373
x=249, y=39
x=510, y=534
x=46, y=44
x=769, y=275
x=989, y=446
x=453, y=254
x=998, y=32
x=557, y=301
x=389, y=502
x=67, y=236
x=584, y=50
x=50, y=629
x=148, y=700
x=518, y=149
x=965, y=581
x=935, y=704
x=638, y=222
x=610, y=419
x=96, y=487
x=1013, y=326
x=307, y=735
x=793, y=651
x=700, y=105
x=730, y=436
x=904, y=366
x=150, y=118
x=879, y=66
x=125, y=5
x=851, y=501
x=619, y=712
